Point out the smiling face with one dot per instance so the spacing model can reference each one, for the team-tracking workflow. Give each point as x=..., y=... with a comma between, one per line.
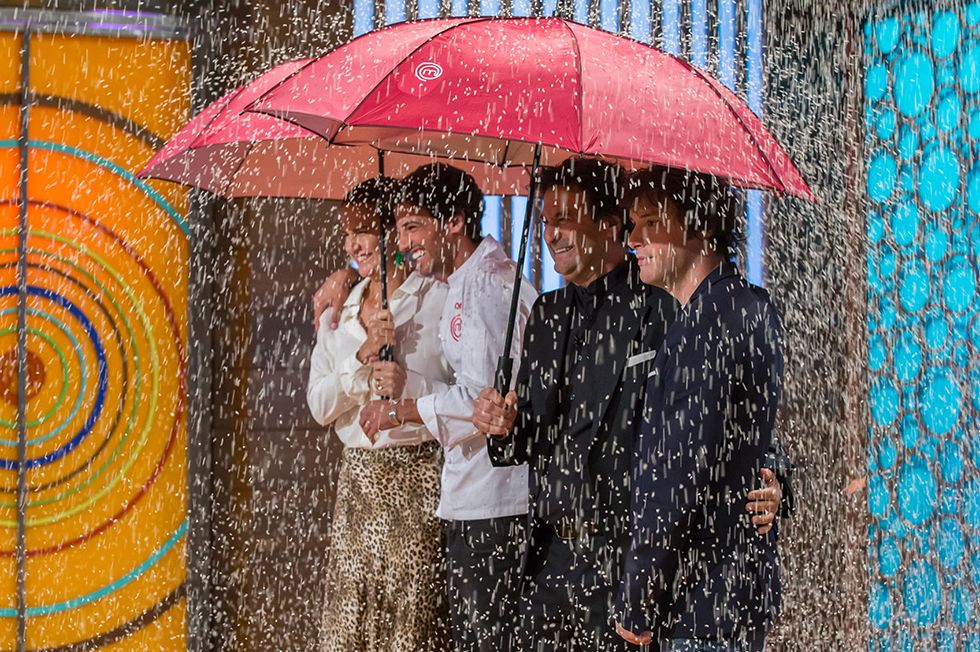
x=361, y=239
x=577, y=241
x=662, y=244
x=426, y=244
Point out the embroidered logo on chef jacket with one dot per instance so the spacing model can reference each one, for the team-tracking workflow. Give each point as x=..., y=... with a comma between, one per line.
x=456, y=323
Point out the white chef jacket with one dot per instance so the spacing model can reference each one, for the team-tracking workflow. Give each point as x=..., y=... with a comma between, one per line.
x=340, y=385
x=472, y=331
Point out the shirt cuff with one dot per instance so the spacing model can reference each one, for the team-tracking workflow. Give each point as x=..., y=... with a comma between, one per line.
x=355, y=378
x=427, y=410
x=415, y=385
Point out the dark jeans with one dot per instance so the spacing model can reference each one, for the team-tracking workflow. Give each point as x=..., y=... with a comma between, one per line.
x=484, y=559
x=567, y=601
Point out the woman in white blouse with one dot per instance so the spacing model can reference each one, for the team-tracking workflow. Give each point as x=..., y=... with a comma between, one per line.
x=385, y=575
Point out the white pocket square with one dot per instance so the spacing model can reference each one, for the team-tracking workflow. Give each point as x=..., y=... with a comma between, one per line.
x=640, y=358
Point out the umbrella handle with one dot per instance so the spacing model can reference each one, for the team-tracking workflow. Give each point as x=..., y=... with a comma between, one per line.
x=386, y=354
x=505, y=369
x=505, y=365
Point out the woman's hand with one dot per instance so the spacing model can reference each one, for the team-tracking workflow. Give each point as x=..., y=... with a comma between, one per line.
x=375, y=417
x=380, y=333
x=388, y=379
x=332, y=295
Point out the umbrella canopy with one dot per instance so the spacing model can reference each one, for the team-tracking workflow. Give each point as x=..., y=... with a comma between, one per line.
x=494, y=96
x=489, y=90
x=235, y=154
x=519, y=91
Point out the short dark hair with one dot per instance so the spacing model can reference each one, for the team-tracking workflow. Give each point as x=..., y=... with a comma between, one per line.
x=712, y=208
x=600, y=181
x=444, y=191
x=377, y=193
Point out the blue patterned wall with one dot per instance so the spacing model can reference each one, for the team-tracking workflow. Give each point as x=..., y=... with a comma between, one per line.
x=922, y=124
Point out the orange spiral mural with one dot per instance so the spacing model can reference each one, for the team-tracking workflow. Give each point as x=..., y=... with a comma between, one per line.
x=107, y=272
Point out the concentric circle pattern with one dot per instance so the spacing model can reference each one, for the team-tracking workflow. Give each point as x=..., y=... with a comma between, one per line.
x=106, y=302
x=922, y=102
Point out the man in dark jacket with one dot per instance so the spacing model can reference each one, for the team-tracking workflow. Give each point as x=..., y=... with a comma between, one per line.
x=588, y=349
x=698, y=576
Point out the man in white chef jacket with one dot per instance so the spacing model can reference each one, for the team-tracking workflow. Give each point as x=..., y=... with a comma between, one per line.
x=438, y=220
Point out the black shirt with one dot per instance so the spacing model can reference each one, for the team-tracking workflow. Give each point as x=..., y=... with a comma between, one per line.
x=561, y=497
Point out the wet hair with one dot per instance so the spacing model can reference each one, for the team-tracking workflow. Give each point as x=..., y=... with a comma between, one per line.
x=377, y=193
x=712, y=209
x=445, y=191
x=601, y=183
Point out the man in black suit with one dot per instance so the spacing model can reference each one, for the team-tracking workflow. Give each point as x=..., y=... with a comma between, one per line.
x=698, y=576
x=587, y=351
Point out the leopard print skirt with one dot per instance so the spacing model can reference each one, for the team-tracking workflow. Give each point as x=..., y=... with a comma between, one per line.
x=386, y=573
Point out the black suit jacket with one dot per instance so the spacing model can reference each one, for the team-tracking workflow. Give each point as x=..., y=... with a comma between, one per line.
x=696, y=566
x=638, y=316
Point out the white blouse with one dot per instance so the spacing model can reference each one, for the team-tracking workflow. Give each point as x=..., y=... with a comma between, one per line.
x=340, y=385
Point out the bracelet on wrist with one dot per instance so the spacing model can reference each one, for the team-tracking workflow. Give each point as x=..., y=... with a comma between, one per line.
x=393, y=414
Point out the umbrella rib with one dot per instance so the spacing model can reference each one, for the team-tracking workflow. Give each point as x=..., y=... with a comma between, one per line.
x=289, y=77
x=503, y=157
x=238, y=168
x=290, y=120
x=755, y=141
x=234, y=94
x=581, y=87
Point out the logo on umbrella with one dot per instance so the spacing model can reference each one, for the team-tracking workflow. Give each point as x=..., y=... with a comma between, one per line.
x=428, y=71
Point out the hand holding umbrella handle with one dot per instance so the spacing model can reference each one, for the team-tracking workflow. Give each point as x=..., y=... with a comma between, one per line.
x=386, y=354
x=505, y=370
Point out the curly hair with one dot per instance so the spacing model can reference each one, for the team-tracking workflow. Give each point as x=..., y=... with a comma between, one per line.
x=445, y=191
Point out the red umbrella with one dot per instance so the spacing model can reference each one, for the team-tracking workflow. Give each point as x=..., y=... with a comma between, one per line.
x=513, y=92
x=491, y=89
x=235, y=154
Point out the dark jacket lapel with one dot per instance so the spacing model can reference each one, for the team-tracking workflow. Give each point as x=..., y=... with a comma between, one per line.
x=625, y=318
x=549, y=351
